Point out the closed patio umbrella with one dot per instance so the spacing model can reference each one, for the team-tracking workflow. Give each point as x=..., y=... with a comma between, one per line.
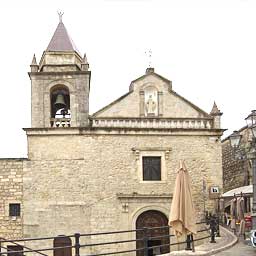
x=233, y=213
x=240, y=214
x=182, y=216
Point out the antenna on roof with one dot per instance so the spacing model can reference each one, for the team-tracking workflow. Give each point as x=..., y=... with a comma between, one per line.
x=149, y=55
x=60, y=15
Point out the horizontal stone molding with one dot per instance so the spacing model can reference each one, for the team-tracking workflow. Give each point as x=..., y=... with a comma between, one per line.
x=145, y=196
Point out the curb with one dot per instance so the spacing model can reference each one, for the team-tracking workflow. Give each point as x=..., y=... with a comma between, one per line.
x=225, y=247
x=211, y=252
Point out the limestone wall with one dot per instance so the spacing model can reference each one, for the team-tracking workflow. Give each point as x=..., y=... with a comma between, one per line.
x=236, y=173
x=11, y=188
x=80, y=183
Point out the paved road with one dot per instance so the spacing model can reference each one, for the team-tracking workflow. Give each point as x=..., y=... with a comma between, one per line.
x=240, y=249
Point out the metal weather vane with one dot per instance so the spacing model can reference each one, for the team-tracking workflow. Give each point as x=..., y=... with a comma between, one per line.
x=60, y=13
x=149, y=56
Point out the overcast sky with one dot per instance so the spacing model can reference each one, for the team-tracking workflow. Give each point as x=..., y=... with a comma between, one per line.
x=206, y=48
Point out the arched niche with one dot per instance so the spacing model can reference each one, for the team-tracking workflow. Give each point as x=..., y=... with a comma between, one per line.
x=150, y=101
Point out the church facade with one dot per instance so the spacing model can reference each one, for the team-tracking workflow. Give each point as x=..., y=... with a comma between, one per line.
x=112, y=170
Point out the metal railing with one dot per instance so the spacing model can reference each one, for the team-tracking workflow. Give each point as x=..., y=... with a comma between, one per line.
x=145, y=249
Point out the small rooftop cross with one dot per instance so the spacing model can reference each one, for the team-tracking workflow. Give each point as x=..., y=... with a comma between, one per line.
x=60, y=15
x=149, y=55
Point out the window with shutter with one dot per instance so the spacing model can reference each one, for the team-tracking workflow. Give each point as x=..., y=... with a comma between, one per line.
x=14, y=209
x=151, y=167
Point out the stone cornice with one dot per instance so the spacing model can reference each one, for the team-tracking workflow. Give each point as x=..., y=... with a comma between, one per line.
x=61, y=73
x=121, y=131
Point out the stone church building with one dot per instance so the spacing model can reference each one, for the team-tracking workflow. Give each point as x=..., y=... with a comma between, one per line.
x=111, y=170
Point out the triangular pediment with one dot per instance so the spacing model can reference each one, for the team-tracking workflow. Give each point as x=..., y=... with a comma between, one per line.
x=151, y=95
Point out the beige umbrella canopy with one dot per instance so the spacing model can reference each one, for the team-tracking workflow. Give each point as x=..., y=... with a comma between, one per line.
x=182, y=216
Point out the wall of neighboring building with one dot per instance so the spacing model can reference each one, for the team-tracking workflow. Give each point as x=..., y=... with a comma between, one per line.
x=236, y=173
x=72, y=182
x=11, y=188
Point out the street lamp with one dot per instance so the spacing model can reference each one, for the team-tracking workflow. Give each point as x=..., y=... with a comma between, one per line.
x=247, y=152
x=251, y=122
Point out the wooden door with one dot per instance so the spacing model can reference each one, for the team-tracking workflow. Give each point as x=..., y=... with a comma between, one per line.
x=62, y=241
x=151, y=219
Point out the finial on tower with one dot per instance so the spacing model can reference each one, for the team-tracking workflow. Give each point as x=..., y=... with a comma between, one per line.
x=216, y=114
x=85, y=59
x=34, y=67
x=60, y=13
x=84, y=64
x=215, y=110
x=34, y=60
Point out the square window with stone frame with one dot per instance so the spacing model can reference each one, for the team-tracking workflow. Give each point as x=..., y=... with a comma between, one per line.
x=14, y=210
x=151, y=168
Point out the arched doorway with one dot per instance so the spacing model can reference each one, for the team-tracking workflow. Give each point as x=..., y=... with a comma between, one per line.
x=62, y=241
x=149, y=219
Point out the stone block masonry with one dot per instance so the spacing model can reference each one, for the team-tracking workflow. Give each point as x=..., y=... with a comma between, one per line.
x=11, y=192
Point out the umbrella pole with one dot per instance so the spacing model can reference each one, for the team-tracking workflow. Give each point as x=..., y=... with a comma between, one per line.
x=193, y=245
x=188, y=241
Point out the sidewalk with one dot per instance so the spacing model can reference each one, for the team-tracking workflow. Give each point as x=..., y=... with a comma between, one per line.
x=227, y=240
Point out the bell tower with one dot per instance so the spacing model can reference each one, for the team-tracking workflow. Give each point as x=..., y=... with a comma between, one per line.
x=60, y=84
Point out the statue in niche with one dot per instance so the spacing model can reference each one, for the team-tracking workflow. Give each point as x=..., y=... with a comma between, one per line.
x=150, y=106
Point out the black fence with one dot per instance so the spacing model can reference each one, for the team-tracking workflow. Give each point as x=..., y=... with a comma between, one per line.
x=73, y=242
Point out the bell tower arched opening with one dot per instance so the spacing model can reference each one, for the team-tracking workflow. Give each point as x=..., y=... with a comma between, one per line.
x=60, y=106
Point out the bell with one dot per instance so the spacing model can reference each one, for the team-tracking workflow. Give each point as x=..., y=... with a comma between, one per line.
x=60, y=101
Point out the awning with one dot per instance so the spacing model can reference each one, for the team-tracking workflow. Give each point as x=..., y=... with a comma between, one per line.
x=246, y=190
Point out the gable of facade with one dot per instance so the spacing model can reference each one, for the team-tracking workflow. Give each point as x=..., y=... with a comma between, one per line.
x=151, y=96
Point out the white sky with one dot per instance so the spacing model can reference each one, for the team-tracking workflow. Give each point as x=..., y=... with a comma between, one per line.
x=207, y=48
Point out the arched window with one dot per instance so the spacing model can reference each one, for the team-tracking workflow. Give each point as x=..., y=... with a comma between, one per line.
x=60, y=106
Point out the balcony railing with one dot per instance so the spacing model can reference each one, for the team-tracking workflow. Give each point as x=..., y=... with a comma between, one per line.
x=160, y=123
x=150, y=123
x=60, y=122
x=82, y=244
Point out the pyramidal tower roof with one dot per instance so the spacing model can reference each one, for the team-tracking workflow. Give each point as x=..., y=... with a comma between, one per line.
x=61, y=41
